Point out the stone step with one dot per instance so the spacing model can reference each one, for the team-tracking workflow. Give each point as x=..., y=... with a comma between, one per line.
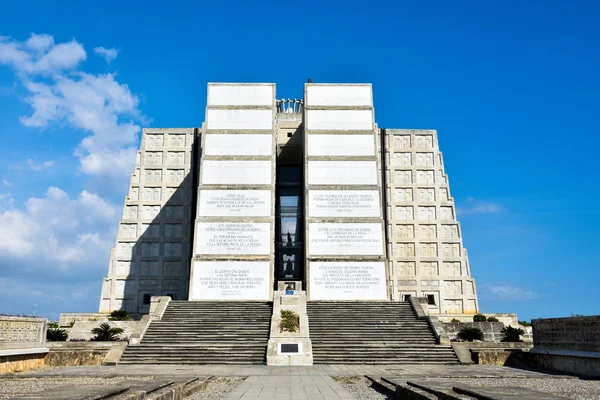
x=219, y=333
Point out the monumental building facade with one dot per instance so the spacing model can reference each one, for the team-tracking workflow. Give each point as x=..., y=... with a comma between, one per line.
x=307, y=194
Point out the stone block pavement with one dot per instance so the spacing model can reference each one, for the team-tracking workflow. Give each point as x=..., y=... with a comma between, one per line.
x=293, y=382
x=289, y=387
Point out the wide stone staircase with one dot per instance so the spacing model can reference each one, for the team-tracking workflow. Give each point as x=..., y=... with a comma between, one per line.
x=367, y=332
x=202, y=332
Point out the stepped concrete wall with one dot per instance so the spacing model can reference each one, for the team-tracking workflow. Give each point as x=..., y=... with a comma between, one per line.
x=345, y=254
x=152, y=251
x=425, y=248
x=233, y=257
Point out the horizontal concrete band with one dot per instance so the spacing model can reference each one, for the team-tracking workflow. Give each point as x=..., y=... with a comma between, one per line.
x=567, y=353
x=19, y=352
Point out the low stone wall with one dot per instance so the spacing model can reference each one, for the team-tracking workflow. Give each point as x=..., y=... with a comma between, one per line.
x=22, y=343
x=82, y=330
x=70, y=354
x=572, y=333
x=67, y=319
x=505, y=318
x=20, y=362
x=491, y=330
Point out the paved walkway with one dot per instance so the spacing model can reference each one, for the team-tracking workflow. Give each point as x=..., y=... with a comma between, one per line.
x=290, y=387
x=406, y=371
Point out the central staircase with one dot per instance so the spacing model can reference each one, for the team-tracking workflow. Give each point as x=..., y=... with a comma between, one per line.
x=372, y=332
x=204, y=332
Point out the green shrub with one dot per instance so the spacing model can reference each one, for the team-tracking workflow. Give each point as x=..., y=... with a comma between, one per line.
x=492, y=319
x=106, y=333
x=53, y=324
x=290, y=322
x=56, y=335
x=470, y=333
x=524, y=323
x=119, y=315
x=479, y=318
x=455, y=320
x=510, y=334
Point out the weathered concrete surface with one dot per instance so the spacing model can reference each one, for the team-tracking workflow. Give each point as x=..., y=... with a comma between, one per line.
x=500, y=393
x=67, y=354
x=571, y=333
x=83, y=329
x=491, y=330
x=20, y=362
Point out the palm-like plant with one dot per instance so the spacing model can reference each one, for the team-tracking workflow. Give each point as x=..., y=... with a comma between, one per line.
x=119, y=315
x=510, y=334
x=470, y=333
x=56, y=335
x=106, y=333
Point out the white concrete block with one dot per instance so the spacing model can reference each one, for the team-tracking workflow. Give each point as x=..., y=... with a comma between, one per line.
x=347, y=281
x=336, y=120
x=232, y=172
x=230, y=280
x=240, y=119
x=342, y=173
x=238, y=145
x=343, y=203
x=341, y=145
x=235, y=203
x=240, y=95
x=345, y=239
x=359, y=95
x=231, y=238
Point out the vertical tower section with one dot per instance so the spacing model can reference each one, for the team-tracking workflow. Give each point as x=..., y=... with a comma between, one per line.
x=233, y=256
x=345, y=254
x=152, y=251
x=425, y=249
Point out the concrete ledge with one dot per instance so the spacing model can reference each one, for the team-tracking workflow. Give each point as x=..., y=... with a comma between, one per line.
x=566, y=353
x=19, y=352
x=423, y=313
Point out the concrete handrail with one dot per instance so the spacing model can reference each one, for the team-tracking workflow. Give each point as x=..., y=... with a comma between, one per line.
x=417, y=304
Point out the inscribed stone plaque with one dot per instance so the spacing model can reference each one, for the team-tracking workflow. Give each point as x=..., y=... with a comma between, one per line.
x=226, y=203
x=342, y=173
x=345, y=239
x=342, y=95
x=233, y=238
x=347, y=281
x=343, y=203
x=238, y=145
x=240, y=95
x=341, y=145
x=230, y=280
x=240, y=119
x=232, y=172
x=336, y=120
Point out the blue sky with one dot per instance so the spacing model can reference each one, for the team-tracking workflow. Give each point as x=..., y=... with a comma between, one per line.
x=511, y=87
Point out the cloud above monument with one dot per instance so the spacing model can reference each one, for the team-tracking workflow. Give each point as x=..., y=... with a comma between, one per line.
x=474, y=206
x=61, y=93
x=108, y=54
x=508, y=292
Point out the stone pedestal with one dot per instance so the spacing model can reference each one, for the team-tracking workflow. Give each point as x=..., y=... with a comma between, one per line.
x=281, y=343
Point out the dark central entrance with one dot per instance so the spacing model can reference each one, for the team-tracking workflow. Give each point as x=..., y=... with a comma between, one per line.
x=289, y=246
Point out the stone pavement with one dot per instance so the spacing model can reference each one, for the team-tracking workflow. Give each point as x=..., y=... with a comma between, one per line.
x=291, y=383
x=289, y=387
x=404, y=371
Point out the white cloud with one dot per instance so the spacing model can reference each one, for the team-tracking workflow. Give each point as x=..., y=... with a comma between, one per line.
x=39, y=166
x=6, y=183
x=108, y=54
x=507, y=292
x=60, y=92
x=474, y=206
x=40, y=55
x=58, y=230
